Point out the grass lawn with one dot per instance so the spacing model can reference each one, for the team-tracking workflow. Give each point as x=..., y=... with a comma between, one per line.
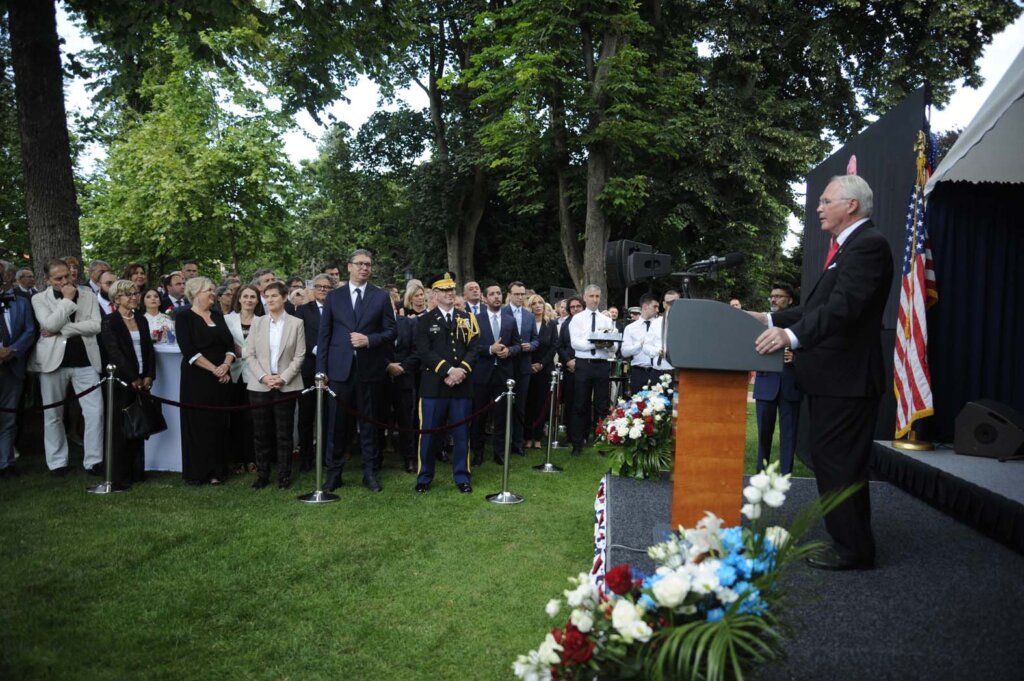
x=175, y=582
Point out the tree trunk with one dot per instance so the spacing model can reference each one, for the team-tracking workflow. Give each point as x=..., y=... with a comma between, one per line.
x=473, y=204
x=597, y=230
x=566, y=228
x=42, y=124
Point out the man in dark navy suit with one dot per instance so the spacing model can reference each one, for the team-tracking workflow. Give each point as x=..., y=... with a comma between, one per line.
x=400, y=390
x=357, y=330
x=17, y=336
x=310, y=314
x=498, y=345
x=835, y=334
x=777, y=394
x=445, y=345
x=528, y=343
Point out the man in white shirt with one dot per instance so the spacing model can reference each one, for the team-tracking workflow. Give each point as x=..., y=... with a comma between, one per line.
x=96, y=270
x=590, y=389
x=641, y=342
x=310, y=314
x=106, y=280
x=175, y=298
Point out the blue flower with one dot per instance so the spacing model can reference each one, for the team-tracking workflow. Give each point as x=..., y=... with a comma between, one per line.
x=648, y=603
x=716, y=614
x=726, y=574
x=732, y=539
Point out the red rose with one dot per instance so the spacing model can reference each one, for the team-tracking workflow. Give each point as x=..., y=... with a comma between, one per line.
x=619, y=579
x=619, y=413
x=649, y=419
x=576, y=647
x=641, y=405
x=649, y=429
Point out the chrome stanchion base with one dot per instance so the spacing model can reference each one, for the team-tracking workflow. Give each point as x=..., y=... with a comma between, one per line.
x=318, y=497
x=548, y=467
x=504, y=498
x=105, y=488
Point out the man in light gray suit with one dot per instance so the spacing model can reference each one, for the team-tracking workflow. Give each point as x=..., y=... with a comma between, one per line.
x=67, y=352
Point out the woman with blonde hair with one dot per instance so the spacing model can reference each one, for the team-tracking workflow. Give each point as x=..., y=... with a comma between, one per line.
x=207, y=353
x=541, y=366
x=415, y=298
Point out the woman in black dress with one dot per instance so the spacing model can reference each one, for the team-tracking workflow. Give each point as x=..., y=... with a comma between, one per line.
x=128, y=345
x=542, y=364
x=207, y=351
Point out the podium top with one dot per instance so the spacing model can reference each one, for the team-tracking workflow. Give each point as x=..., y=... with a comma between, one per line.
x=706, y=334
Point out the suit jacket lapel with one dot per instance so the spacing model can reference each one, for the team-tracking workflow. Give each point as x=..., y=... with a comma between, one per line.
x=835, y=259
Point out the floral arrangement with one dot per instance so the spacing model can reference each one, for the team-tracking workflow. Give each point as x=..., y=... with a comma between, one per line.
x=641, y=429
x=709, y=611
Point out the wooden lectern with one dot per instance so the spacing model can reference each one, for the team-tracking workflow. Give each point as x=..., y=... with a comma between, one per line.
x=712, y=347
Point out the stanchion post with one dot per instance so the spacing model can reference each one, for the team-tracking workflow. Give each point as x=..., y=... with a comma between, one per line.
x=319, y=496
x=553, y=425
x=504, y=496
x=107, y=486
x=547, y=466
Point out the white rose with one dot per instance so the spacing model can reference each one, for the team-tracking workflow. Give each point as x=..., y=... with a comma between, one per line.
x=774, y=498
x=547, y=654
x=670, y=591
x=638, y=631
x=751, y=511
x=582, y=620
x=705, y=576
x=553, y=606
x=760, y=481
x=623, y=615
x=777, y=535
x=752, y=494
x=636, y=432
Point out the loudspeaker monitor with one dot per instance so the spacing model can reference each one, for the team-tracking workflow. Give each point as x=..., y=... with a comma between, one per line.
x=988, y=428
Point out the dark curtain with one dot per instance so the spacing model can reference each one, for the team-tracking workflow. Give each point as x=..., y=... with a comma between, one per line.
x=976, y=330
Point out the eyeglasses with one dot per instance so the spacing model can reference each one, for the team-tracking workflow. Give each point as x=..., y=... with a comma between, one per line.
x=828, y=202
x=361, y=263
x=322, y=288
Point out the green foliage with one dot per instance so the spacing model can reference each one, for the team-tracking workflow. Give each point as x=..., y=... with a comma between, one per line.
x=195, y=176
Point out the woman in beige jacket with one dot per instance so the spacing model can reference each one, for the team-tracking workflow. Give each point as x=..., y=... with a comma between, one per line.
x=274, y=352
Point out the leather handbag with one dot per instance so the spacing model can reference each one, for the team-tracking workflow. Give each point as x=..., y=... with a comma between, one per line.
x=142, y=418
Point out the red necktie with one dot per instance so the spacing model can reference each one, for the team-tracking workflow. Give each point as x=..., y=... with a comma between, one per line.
x=831, y=253
x=111, y=306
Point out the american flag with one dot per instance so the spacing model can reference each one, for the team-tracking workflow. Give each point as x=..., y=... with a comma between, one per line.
x=911, y=378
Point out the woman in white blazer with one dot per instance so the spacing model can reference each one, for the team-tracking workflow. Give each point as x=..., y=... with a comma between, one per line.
x=274, y=352
x=239, y=321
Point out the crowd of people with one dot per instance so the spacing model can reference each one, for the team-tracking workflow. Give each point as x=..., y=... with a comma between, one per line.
x=403, y=365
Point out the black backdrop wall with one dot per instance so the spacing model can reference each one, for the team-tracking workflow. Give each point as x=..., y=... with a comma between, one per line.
x=976, y=329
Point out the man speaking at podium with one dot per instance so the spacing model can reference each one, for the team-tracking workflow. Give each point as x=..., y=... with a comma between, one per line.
x=838, y=361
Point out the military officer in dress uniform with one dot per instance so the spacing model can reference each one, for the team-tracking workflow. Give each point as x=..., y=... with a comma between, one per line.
x=444, y=344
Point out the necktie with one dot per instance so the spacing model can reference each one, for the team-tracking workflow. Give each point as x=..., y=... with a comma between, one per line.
x=647, y=324
x=831, y=252
x=5, y=334
x=320, y=309
x=448, y=318
x=495, y=328
x=177, y=303
x=359, y=300
x=593, y=328
x=111, y=306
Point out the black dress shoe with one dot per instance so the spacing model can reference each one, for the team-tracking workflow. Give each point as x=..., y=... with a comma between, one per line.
x=499, y=459
x=284, y=483
x=576, y=450
x=465, y=487
x=410, y=466
x=370, y=483
x=332, y=483
x=422, y=487
x=478, y=459
x=831, y=560
x=96, y=470
x=260, y=483
x=519, y=452
x=60, y=471
x=443, y=456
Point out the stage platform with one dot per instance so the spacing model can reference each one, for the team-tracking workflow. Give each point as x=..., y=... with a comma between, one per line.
x=944, y=601
x=985, y=494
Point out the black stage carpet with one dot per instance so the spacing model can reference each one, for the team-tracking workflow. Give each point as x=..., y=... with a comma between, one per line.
x=943, y=603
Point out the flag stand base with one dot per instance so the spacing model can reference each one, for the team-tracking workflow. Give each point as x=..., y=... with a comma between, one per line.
x=913, y=444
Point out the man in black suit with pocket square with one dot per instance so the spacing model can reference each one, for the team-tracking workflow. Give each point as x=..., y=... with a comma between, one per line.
x=357, y=330
x=494, y=365
x=838, y=362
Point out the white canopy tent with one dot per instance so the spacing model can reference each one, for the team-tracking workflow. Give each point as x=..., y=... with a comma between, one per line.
x=991, y=147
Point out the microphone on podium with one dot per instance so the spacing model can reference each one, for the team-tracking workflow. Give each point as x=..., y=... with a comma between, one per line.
x=727, y=260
